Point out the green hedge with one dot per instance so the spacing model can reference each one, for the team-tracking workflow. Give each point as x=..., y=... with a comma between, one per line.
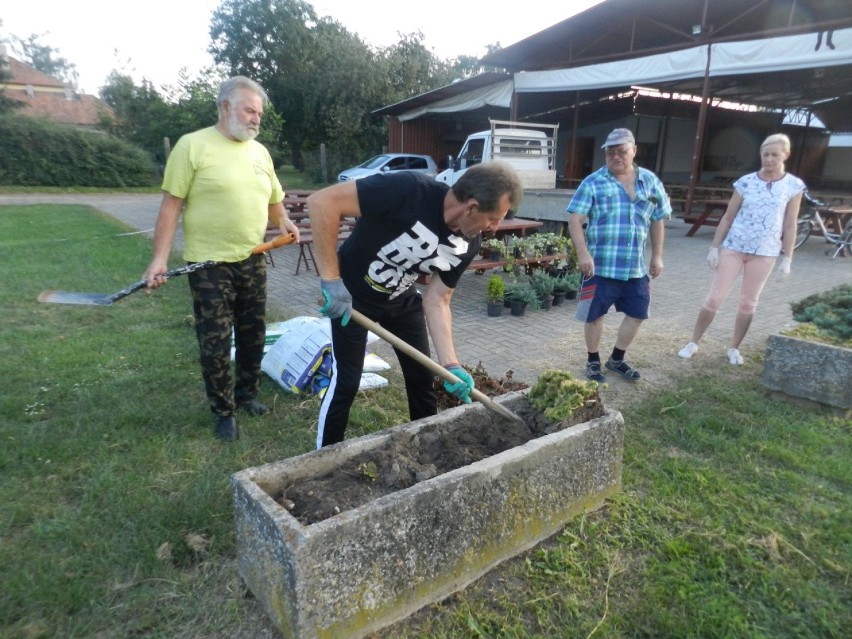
x=35, y=152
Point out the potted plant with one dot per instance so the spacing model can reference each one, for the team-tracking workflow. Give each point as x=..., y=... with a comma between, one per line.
x=520, y=296
x=521, y=247
x=567, y=283
x=543, y=284
x=495, y=248
x=496, y=290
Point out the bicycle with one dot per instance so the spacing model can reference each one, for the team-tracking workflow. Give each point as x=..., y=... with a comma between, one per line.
x=809, y=219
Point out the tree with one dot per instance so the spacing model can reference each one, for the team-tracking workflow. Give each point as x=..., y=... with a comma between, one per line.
x=141, y=115
x=46, y=59
x=412, y=69
x=144, y=116
x=467, y=66
x=7, y=104
x=323, y=80
x=271, y=42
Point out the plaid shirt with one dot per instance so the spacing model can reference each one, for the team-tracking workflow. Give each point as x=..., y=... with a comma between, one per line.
x=618, y=228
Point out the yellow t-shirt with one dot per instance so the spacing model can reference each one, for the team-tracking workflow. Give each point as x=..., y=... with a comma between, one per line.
x=227, y=187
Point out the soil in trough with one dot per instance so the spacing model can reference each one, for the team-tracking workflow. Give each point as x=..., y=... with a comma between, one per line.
x=409, y=458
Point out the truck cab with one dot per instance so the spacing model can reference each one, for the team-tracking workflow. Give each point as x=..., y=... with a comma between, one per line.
x=529, y=150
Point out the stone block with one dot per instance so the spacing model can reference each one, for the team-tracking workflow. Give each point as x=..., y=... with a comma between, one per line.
x=801, y=368
x=368, y=567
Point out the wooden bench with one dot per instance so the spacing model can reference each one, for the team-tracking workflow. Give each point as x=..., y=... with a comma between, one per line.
x=306, y=240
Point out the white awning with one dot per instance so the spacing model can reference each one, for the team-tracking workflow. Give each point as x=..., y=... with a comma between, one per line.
x=727, y=58
x=498, y=94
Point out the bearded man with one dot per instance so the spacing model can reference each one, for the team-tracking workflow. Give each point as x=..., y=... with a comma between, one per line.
x=222, y=184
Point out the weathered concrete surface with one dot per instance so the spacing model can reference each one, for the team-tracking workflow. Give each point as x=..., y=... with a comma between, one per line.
x=545, y=204
x=369, y=567
x=819, y=372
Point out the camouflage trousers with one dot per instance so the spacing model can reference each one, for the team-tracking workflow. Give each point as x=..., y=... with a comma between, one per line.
x=225, y=297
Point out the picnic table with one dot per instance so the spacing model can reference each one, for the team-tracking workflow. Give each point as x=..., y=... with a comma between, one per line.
x=708, y=217
x=702, y=192
x=515, y=226
x=295, y=204
x=836, y=217
x=306, y=240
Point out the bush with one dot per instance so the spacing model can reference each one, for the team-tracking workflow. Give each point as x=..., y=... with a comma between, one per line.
x=830, y=312
x=496, y=289
x=542, y=283
x=35, y=152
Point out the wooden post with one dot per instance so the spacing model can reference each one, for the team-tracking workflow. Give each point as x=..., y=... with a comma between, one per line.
x=323, y=164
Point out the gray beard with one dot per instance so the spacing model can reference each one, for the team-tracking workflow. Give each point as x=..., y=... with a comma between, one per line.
x=240, y=131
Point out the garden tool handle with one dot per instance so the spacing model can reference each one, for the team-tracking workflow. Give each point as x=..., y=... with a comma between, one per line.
x=281, y=240
x=432, y=365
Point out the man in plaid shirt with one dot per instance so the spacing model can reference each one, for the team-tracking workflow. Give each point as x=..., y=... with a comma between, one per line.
x=610, y=217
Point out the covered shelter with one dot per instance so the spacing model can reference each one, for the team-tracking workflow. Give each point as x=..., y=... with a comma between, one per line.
x=700, y=82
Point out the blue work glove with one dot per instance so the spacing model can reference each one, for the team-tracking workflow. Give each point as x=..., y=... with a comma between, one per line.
x=338, y=301
x=463, y=387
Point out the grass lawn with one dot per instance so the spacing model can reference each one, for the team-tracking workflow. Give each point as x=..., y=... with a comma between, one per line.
x=115, y=507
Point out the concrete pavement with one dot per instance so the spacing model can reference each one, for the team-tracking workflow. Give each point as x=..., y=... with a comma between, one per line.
x=552, y=339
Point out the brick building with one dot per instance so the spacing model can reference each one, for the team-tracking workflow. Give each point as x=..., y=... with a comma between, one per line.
x=46, y=97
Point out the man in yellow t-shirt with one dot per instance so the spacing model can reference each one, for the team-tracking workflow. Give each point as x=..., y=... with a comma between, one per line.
x=224, y=185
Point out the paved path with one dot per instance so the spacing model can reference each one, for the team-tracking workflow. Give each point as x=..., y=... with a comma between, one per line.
x=553, y=339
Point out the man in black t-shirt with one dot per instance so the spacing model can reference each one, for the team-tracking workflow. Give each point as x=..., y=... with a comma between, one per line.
x=407, y=225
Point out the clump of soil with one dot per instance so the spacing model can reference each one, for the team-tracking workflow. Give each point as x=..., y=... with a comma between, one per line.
x=407, y=458
x=483, y=382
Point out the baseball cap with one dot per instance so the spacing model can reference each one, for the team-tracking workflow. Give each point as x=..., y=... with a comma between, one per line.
x=618, y=137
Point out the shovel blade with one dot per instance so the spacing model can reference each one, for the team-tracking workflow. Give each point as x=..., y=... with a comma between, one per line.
x=65, y=297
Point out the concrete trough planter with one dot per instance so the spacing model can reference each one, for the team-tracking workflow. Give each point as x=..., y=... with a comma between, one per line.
x=801, y=368
x=368, y=567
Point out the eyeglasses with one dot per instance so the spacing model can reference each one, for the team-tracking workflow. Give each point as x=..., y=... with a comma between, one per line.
x=622, y=153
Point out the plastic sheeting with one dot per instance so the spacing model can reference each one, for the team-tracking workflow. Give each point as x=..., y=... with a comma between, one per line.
x=766, y=55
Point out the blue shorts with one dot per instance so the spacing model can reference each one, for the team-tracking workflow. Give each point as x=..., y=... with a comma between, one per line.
x=631, y=297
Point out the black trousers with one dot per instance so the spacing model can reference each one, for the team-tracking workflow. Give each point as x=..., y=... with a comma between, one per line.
x=404, y=318
x=226, y=297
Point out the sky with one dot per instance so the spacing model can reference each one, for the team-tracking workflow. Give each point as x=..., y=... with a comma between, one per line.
x=155, y=39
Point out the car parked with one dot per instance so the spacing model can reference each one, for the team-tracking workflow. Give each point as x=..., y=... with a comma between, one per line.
x=391, y=162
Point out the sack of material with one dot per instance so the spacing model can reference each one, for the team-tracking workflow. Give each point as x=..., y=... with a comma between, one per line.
x=297, y=353
x=298, y=356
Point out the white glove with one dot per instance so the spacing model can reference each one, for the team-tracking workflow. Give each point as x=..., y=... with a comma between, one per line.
x=784, y=267
x=713, y=258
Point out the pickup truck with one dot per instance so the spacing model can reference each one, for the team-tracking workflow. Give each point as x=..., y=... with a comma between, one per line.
x=529, y=148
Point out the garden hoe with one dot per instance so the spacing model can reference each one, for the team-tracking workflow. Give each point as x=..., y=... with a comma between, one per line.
x=106, y=299
x=433, y=366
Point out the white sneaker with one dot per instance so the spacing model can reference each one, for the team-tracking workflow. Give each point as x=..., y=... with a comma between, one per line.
x=688, y=351
x=734, y=357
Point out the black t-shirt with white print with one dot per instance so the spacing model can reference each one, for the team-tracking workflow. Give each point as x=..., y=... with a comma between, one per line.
x=401, y=235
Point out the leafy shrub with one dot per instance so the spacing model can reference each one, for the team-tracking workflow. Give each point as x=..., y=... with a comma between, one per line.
x=567, y=282
x=542, y=283
x=557, y=394
x=830, y=312
x=35, y=152
x=517, y=292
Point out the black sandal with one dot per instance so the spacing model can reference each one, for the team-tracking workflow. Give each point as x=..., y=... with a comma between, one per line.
x=623, y=368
